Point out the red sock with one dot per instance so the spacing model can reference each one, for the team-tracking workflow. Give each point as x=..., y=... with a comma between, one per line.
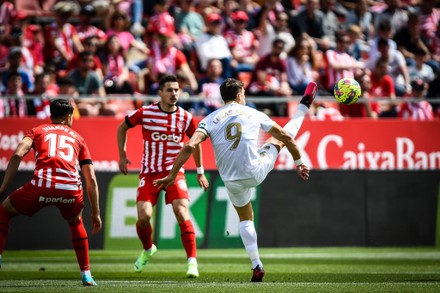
x=188, y=238
x=4, y=228
x=80, y=244
x=145, y=236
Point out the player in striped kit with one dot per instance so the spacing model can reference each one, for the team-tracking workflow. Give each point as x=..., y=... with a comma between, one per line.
x=56, y=181
x=164, y=126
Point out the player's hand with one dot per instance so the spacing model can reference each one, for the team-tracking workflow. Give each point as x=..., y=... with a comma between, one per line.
x=123, y=163
x=163, y=183
x=203, y=182
x=96, y=223
x=303, y=172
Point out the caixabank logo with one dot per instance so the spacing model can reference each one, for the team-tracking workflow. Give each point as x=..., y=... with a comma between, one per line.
x=215, y=220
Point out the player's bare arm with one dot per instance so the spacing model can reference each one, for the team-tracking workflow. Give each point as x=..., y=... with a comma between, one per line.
x=181, y=159
x=88, y=172
x=201, y=179
x=122, y=147
x=282, y=136
x=22, y=149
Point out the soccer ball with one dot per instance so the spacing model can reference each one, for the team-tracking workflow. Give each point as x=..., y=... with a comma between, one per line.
x=347, y=91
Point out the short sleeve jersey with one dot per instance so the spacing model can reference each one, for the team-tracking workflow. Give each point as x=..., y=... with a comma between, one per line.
x=163, y=135
x=58, y=151
x=233, y=130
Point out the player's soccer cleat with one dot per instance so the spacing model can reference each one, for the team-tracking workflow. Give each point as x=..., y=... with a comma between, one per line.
x=192, y=271
x=144, y=258
x=258, y=274
x=309, y=94
x=88, y=281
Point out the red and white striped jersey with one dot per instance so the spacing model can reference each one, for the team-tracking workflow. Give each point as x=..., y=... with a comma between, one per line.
x=163, y=135
x=416, y=111
x=338, y=58
x=244, y=43
x=58, y=150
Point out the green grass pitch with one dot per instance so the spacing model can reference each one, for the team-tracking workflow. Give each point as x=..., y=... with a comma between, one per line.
x=228, y=270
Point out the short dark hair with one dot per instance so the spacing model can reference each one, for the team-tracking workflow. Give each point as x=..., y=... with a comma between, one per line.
x=167, y=78
x=230, y=88
x=60, y=108
x=85, y=54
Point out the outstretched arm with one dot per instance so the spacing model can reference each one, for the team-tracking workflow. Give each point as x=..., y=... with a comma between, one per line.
x=284, y=139
x=22, y=149
x=181, y=159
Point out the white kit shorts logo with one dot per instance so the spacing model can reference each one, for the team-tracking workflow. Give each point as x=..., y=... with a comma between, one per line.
x=56, y=199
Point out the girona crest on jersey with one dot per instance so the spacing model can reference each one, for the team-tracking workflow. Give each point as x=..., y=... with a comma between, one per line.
x=179, y=125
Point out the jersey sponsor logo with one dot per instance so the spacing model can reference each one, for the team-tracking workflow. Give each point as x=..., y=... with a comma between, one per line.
x=157, y=136
x=55, y=199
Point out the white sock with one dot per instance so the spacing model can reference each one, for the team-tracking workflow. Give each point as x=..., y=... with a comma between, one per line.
x=249, y=238
x=88, y=273
x=192, y=260
x=293, y=126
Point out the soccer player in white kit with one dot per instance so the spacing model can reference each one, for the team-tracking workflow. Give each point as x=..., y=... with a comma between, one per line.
x=243, y=165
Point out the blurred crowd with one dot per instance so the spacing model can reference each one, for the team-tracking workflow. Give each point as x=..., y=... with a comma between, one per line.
x=95, y=51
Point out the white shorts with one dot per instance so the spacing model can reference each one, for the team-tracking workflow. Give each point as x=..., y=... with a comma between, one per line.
x=240, y=192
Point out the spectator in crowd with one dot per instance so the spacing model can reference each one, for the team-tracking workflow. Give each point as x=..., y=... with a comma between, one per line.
x=356, y=42
x=268, y=31
x=119, y=25
x=27, y=62
x=383, y=32
x=164, y=58
x=252, y=9
x=382, y=87
x=398, y=69
x=14, y=65
x=91, y=45
x=331, y=23
x=189, y=25
x=86, y=29
x=408, y=38
x=419, y=69
x=361, y=16
x=63, y=40
x=17, y=103
x=300, y=66
x=242, y=43
x=310, y=21
x=116, y=74
x=206, y=8
x=228, y=8
x=339, y=63
x=209, y=89
x=270, y=79
x=162, y=21
x=212, y=44
x=394, y=13
x=430, y=30
x=40, y=106
x=7, y=13
x=88, y=84
x=417, y=110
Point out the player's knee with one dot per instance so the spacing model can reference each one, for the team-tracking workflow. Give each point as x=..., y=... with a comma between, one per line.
x=143, y=222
